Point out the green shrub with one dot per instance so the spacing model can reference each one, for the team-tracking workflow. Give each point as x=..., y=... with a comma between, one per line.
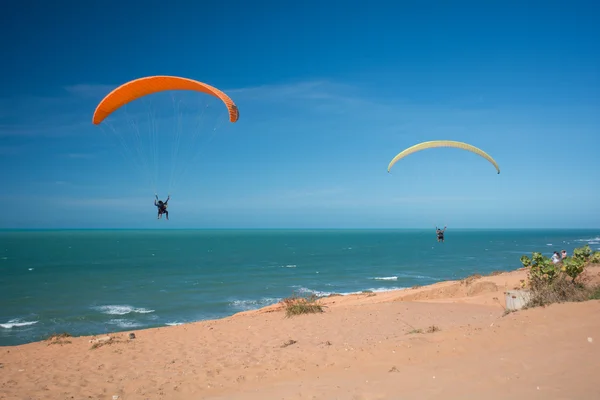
x=549, y=282
x=595, y=293
x=297, y=305
x=526, y=261
x=582, y=253
x=540, y=267
x=573, y=267
x=559, y=290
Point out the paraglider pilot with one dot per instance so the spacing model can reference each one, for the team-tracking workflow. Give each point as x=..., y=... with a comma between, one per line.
x=162, y=206
x=440, y=233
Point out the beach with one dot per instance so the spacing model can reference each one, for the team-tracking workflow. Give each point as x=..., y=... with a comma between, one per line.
x=88, y=282
x=449, y=340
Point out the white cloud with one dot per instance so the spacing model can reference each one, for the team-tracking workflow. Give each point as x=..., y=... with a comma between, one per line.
x=87, y=90
x=305, y=90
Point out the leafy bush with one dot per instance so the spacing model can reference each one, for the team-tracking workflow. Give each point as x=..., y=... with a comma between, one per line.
x=540, y=267
x=549, y=282
x=573, y=267
x=582, y=253
x=595, y=293
x=559, y=290
x=297, y=305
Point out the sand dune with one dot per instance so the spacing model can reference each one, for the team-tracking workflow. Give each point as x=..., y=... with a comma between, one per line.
x=362, y=347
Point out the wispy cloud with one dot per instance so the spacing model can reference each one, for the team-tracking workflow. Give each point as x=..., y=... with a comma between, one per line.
x=339, y=104
x=309, y=193
x=305, y=90
x=59, y=202
x=45, y=129
x=101, y=202
x=328, y=198
x=80, y=155
x=437, y=199
x=57, y=116
x=86, y=90
x=70, y=112
x=66, y=113
x=9, y=150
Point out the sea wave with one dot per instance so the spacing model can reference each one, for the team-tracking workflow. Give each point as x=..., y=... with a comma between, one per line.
x=246, y=305
x=417, y=276
x=385, y=278
x=307, y=291
x=15, y=323
x=124, y=323
x=594, y=239
x=122, y=310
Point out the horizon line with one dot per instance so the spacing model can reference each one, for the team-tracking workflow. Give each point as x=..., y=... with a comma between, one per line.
x=290, y=229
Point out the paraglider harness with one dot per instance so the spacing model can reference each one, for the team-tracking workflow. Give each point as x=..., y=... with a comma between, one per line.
x=162, y=206
x=440, y=233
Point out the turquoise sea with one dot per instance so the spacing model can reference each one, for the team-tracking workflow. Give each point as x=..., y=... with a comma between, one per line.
x=97, y=281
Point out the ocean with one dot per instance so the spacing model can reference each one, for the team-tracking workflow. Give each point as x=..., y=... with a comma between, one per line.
x=97, y=281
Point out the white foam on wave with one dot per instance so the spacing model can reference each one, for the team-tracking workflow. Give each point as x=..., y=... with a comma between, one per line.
x=549, y=244
x=288, y=266
x=594, y=239
x=246, y=305
x=15, y=323
x=416, y=276
x=124, y=323
x=122, y=310
x=173, y=323
x=385, y=278
x=303, y=290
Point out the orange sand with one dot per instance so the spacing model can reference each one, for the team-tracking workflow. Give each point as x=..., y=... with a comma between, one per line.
x=359, y=348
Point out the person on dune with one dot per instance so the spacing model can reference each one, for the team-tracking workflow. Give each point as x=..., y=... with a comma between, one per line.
x=440, y=234
x=162, y=206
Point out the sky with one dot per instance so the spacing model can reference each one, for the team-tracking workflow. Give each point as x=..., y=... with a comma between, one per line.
x=328, y=93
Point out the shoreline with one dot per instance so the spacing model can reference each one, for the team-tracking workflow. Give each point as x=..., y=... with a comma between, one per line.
x=434, y=291
x=383, y=293
x=451, y=339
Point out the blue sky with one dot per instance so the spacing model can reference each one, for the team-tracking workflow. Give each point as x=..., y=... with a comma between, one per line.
x=328, y=93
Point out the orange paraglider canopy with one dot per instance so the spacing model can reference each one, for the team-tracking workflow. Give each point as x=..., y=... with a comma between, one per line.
x=137, y=88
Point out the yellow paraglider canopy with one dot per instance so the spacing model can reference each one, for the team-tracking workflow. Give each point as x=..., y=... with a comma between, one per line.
x=442, y=143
